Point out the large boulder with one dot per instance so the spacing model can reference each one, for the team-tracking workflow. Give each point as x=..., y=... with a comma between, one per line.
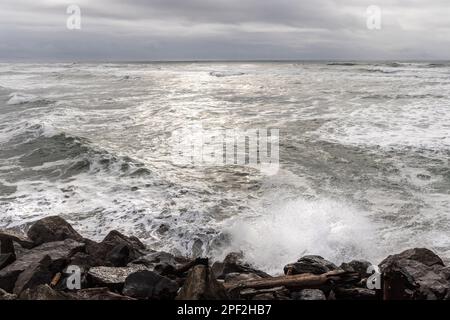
x=51, y=229
x=147, y=284
x=59, y=253
x=233, y=263
x=201, y=284
x=414, y=274
x=116, y=250
x=422, y=255
x=310, y=264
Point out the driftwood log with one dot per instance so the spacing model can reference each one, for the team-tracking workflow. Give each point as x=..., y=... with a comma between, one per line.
x=300, y=281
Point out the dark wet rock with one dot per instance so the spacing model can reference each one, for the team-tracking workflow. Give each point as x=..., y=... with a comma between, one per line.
x=355, y=294
x=36, y=274
x=96, y=294
x=58, y=251
x=83, y=260
x=7, y=246
x=414, y=274
x=358, y=266
x=43, y=292
x=6, y=259
x=154, y=258
x=422, y=255
x=119, y=255
x=310, y=264
x=308, y=294
x=7, y=296
x=116, y=250
x=51, y=229
x=9, y=236
x=112, y=277
x=162, y=262
x=116, y=237
x=233, y=263
x=201, y=284
x=149, y=285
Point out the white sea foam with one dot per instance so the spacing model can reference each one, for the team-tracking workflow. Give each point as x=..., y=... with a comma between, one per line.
x=416, y=124
x=335, y=230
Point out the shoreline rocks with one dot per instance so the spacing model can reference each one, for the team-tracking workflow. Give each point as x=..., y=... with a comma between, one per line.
x=120, y=267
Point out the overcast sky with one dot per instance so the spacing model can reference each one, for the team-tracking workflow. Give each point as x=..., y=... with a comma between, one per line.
x=224, y=29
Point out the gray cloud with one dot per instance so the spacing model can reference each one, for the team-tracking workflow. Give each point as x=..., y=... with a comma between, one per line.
x=224, y=29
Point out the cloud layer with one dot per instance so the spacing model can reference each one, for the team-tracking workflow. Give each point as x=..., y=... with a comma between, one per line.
x=224, y=29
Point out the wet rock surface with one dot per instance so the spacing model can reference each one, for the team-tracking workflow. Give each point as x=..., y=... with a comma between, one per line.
x=149, y=285
x=54, y=262
x=51, y=229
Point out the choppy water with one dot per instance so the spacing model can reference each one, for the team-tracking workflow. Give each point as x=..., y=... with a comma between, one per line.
x=364, y=152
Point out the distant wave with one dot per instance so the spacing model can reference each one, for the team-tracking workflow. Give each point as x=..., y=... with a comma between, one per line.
x=345, y=64
x=35, y=144
x=403, y=96
x=221, y=74
x=437, y=65
x=377, y=70
x=17, y=98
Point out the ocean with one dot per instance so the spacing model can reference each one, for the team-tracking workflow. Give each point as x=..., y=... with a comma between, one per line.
x=364, y=154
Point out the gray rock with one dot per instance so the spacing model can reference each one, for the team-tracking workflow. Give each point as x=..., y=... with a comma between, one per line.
x=358, y=266
x=154, y=258
x=308, y=294
x=164, y=263
x=116, y=250
x=58, y=251
x=52, y=229
x=233, y=263
x=36, y=274
x=414, y=274
x=149, y=285
x=112, y=277
x=201, y=284
x=422, y=255
x=310, y=264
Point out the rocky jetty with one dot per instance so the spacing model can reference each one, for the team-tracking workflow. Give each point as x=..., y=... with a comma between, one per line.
x=54, y=262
